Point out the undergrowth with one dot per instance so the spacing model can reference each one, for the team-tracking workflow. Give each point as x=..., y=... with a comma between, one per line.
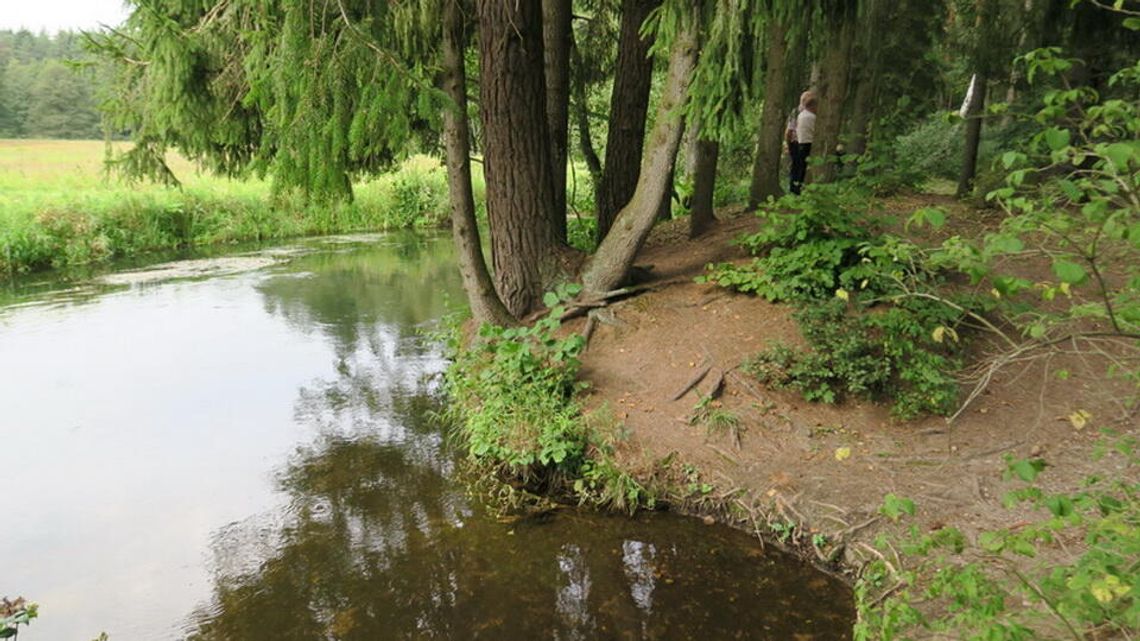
x=979, y=589
x=514, y=405
x=74, y=217
x=863, y=299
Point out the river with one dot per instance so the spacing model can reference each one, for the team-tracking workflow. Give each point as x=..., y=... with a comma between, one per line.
x=243, y=449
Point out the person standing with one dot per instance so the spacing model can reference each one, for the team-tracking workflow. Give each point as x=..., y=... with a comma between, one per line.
x=804, y=135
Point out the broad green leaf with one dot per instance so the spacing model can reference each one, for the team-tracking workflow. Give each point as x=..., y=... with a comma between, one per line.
x=1119, y=154
x=1027, y=469
x=1057, y=138
x=550, y=299
x=1132, y=23
x=1069, y=272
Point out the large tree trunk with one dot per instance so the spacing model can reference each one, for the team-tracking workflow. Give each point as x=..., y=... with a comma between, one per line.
x=866, y=76
x=770, y=145
x=628, y=104
x=973, y=137
x=516, y=162
x=485, y=304
x=556, y=53
x=834, y=76
x=704, y=184
x=609, y=265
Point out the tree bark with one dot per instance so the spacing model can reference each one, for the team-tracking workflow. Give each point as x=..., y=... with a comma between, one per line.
x=556, y=58
x=770, y=145
x=834, y=76
x=516, y=162
x=582, y=121
x=701, y=215
x=628, y=105
x=485, y=304
x=866, y=76
x=609, y=265
x=973, y=137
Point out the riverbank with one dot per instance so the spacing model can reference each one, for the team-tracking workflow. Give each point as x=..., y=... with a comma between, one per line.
x=839, y=482
x=59, y=209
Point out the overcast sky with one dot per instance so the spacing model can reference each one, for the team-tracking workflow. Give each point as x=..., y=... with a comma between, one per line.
x=54, y=15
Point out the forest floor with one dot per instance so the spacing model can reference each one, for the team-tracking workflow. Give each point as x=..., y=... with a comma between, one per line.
x=800, y=469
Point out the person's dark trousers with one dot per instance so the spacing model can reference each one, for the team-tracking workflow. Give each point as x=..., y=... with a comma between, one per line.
x=799, y=153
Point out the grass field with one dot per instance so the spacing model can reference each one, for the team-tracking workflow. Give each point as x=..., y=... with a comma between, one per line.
x=58, y=207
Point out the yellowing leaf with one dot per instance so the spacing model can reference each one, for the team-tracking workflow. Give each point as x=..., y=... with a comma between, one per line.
x=1065, y=289
x=995, y=293
x=842, y=293
x=941, y=332
x=1108, y=589
x=1080, y=419
x=842, y=453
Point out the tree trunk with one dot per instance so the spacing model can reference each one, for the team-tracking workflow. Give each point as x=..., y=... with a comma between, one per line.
x=516, y=162
x=609, y=265
x=770, y=145
x=485, y=304
x=556, y=55
x=582, y=121
x=628, y=104
x=834, y=74
x=973, y=137
x=866, y=76
x=704, y=183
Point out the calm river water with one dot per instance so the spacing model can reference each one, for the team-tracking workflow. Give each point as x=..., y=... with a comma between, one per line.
x=243, y=450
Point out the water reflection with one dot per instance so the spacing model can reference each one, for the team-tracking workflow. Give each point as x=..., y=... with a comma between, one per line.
x=251, y=457
x=379, y=540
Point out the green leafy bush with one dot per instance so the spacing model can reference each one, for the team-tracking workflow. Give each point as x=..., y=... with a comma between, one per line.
x=882, y=354
x=809, y=241
x=513, y=393
x=985, y=589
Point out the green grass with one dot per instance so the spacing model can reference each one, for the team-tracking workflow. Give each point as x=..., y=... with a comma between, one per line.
x=59, y=208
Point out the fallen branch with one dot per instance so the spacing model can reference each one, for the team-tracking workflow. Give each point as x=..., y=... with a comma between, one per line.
x=693, y=382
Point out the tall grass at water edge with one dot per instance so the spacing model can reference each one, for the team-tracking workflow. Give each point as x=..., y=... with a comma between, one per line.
x=59, y=208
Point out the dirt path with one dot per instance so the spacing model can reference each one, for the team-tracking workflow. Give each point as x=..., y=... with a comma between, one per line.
x=787, y=463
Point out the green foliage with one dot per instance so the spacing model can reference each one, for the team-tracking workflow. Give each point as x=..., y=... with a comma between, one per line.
x=873, y=329
x=54, y=215
x=986, y=589
x=49, y=87
x=1071, y=195
x=885, y=354
x=513, y=393
x=582, y=232
x=934, y=147
x=311, y=95
x=809, y=241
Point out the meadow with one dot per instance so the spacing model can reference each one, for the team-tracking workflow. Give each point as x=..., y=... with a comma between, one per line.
x=59, y=207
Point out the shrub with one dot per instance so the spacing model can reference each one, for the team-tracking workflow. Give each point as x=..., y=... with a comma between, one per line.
x=514, y=406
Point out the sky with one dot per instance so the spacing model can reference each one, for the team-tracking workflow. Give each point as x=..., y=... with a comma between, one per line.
x=55, y=15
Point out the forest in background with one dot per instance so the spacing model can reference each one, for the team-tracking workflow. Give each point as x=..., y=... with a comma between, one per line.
x=49, y=87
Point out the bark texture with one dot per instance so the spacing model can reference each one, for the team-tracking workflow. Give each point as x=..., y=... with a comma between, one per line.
x=834, y=76
x=770, y=144
x=485, y=304
x=609, y=265
x=628, y=104
x=973, y=137
x=516, y=163
x=701, y=215
x=556, y=55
